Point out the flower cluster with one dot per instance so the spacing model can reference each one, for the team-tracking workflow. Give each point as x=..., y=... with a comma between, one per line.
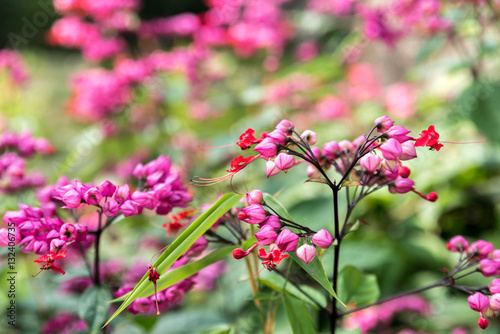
x=273, y=232
x=482, y=256
x=15, y=149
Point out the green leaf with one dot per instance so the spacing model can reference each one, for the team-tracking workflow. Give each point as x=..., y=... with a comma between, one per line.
x=94, y=307
x=351, y=183
x=313, y=268
x=480, y=102
x=180, y=245
x=298, y=315
x=277, y=282
x=357, y=287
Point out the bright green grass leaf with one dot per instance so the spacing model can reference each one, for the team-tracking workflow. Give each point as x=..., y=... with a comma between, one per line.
x=180, y=246
x=313, y=268
x=94, y=307
x=357, y=287
x=298, y=315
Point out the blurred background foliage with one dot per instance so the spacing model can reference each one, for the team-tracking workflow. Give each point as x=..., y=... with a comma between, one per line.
x=403, y=238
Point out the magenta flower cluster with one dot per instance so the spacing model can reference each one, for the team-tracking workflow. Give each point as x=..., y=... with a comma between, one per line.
x=13, y=64
x=15, y=149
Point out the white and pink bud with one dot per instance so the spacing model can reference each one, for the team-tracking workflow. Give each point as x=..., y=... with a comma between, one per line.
x=401, y=185
x=481, y=249
x=495, y=286
x=390, y=165
x=271, y=168
x=346, y=145
x=284, y=162
x=272, y=221
x=489, y=267
x=306, y=253
x=495, y=302
x=331, y=150
x=255, y=197
x=370, y=162
x=309, y=137
x=278, y=136
x=398, y=133
x=383, y=123
x=253, y=214
x=478, y=302
x=286, y=126
x=322, y=239
x=408, y=151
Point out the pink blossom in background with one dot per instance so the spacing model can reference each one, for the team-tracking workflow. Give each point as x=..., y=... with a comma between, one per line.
x=306, y=51
x=400, y=100
x=332, y=107
x=362, y=84
x=13, y=63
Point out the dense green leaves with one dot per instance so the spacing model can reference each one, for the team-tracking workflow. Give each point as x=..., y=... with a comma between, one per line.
x=180, y=245
x=298, y=315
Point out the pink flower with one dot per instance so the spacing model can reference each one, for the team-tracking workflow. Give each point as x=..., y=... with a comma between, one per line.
x=481, y=249
x=409, y=151
x=370, y=162
x=489, y=267
x=495, y=286
x=495, y=302
x=111, y=208
x=391, y=149
x=253, y=214
x=400, y=100
x=255, y=197
x=284, y=161
x=107, y=188
x=267, y=235
x=130, y=208
x=273, y=221
x=322, y=239
x=401, y=185
x=271, y=168
x=93, y=196
x=306, y=253
x=72, y=199
x=399, y=133
x=331, y=150
x=458, y=244
x=267, y=148
x=309, y=137
x=478, y=302
x=306, y=51
x=287, y=241
x=286, y=127
x=332, y=107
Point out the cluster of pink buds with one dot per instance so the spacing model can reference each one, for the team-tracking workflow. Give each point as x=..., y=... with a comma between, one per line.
x=15, y=149
x=162, y=191
x=481, y=255
x=273, y=232
x=12, y=63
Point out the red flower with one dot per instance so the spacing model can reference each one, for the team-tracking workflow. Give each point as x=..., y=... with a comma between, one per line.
x=236, y=165
x=429, y=138
x=49, y=259
x=272, y=259
x=247, y=139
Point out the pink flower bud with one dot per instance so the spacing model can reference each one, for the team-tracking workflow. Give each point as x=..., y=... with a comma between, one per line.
x=322, y=239
x=255, y=197
x=130, y=208
x=478, y=302
x=287, y=241
x=346, y=145
x=391, y=149
x=253, y=214
x=495, y=302
x=458, y=244
x=312, y=172
x=383, y=123
x=267, y=235
x=359, y=141
x=409, y=151
x=495, y=286
x=432, y=197
x=122, y=194
x=489, y=267
x=390, y=165
x=398, y=133
x=145, y=199
x=58, y=245
x=309, y=137
x=72, y=199
x=370, y=162
x=495, y=255
x=306, y=253
x=81, y=232
x=278, y=136
x=271, y=168
x=267, y=148
x=238, y=253
x=331, y=150
x=272, y=221
x=68, y=232
x=107, y=188
x=401, y=185
x=111, y=208
x=284, y=161
x=92, y=196
x=481, y=249
x=285, y=126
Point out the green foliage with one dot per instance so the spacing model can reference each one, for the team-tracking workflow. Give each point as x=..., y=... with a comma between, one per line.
x=354, y=286
x=94, y=307
x=298, y=315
